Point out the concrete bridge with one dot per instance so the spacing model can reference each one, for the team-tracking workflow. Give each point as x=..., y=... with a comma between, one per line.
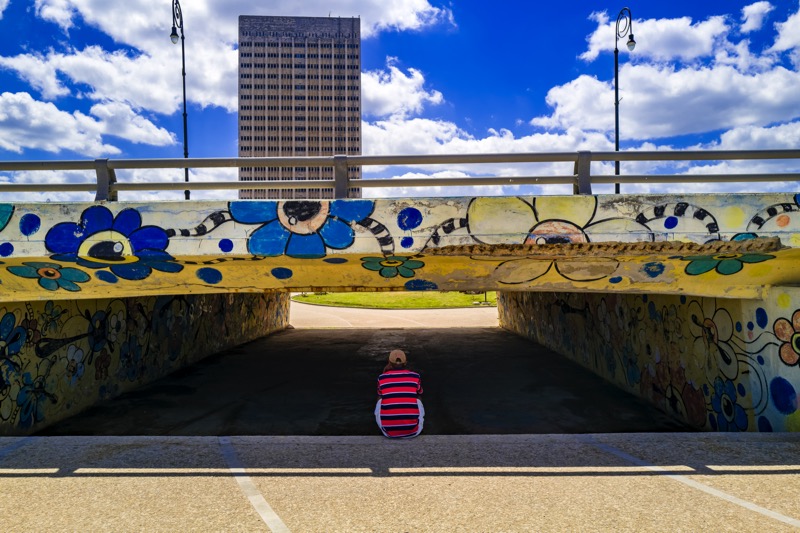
x=690, y=301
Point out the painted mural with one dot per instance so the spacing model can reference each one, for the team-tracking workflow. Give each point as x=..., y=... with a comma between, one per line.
x=685, y=299
x=717, y=364
x=58, y=357
x=654, y=244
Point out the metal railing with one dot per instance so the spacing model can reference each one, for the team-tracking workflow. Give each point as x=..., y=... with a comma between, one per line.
x=106, y=186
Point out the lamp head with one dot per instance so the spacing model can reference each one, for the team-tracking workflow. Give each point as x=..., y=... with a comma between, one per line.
x=631, y=43
x=174, y=36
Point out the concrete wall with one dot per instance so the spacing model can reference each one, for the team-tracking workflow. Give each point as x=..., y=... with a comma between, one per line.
x=717, y=364
x=59, y=357
x=730, y=245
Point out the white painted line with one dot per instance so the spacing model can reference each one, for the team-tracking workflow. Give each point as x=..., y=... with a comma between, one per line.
x=752, y=468
x=28, y=471
x=530, y=469
x=265, y=511
x=694, y=484
x=210, y=471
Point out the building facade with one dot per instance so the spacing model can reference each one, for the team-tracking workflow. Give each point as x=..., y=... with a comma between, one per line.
x=299, y=95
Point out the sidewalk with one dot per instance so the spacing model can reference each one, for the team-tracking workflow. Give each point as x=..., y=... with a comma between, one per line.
x=632, y=482
x=319, y=316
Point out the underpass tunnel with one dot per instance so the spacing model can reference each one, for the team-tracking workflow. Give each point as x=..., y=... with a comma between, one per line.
x=319, y=377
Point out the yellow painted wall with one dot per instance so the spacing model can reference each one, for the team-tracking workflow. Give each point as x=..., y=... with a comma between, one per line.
x=59, y=357
x=717, y=364
x=87, y=250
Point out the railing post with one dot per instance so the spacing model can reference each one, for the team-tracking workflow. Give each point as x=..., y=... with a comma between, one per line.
x=340, y=176
x=583, y=165
x=105, y=177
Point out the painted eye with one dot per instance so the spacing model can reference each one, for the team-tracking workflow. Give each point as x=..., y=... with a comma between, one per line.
x=303, y=218
x=727, y=408
x=107, y=245
x=556, y=232
x=108, y=251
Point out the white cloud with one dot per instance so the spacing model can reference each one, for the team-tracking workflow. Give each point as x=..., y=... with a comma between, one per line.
x=39, y=72
x=220, y=18
x=684, y=77
x=779, y=137
x=661, y=101
x=59, y=12
x=414, y=136
x=714, y=84
x=48, y=177
x=123, y=176
x=30, y=124
x=659, y=39
x=27, y=123
x=393, y=92
x=437, y=191
x=789, y=37
x=109, y=76
x=3, y=6
x=148, y=77
x=753, y=16
x=740, y=56
x=585, y=103
x=424, y=136
x=143, y=73
x=120, y=120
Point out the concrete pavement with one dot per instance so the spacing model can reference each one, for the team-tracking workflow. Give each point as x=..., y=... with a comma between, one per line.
x=320, y=316
x=589, y=481
x=631, y=482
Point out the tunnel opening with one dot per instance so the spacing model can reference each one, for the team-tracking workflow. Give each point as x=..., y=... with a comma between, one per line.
x=318, y=377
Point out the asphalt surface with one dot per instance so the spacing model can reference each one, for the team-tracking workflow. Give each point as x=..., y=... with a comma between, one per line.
x=478, y=379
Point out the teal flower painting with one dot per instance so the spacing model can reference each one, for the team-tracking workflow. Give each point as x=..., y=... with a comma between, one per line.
x=392, y=266
x=51, y=276
x=723, y=264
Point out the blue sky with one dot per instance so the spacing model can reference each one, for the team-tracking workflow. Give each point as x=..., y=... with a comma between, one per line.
x=91, y=78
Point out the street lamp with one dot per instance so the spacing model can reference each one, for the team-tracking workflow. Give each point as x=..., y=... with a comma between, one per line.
x=177, y=23
x=624, y=28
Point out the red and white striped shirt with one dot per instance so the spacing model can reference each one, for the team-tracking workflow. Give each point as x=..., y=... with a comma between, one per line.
x=399, y=411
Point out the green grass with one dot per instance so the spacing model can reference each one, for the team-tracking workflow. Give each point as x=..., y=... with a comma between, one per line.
x=397, y=300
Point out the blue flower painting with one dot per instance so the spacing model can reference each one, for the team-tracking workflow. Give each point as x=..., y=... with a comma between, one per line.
x=121, y=244
x=31, y=400
x=12, y=336
x=302, y=229
x=728, y=414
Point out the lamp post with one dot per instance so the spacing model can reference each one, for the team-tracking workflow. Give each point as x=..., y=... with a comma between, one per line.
x=177, y=23
x=624, y=28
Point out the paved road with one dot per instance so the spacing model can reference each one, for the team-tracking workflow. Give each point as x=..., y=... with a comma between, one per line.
x=478, y=379
x=631, y=482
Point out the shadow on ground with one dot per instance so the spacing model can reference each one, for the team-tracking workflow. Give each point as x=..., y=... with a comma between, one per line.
x=322, y=382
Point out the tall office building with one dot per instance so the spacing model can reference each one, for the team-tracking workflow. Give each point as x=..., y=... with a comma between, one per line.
x=299, y=95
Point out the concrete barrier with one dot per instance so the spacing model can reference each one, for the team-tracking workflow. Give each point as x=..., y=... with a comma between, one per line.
x=717, y=364
x=59, y=357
